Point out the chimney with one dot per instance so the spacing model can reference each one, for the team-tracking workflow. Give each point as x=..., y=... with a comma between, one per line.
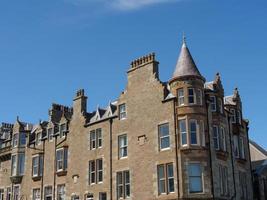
x=80, y=102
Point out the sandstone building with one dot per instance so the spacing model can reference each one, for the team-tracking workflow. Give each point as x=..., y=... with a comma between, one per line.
x=181, y=139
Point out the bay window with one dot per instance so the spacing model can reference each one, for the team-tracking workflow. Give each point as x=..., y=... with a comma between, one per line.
x=180, y=97
x=17, y=164
x=183, y=132
x=191, y=96
x=193, y=131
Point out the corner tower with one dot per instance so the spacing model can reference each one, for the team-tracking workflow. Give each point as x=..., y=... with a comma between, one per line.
x=187, y=84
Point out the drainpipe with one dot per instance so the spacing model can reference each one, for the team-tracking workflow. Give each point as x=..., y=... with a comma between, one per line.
x=211, y=169
x=232, y=159
x=42, y=180
x=110, y=156
x=55, y=160
x=176, y=147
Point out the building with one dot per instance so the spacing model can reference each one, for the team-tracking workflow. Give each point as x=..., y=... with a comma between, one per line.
x=259, y=169
x=181, y=139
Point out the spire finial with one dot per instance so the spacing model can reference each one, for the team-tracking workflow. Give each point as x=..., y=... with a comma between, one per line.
x=184, y=39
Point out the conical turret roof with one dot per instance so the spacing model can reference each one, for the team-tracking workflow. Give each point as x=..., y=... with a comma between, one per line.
x=185, y=64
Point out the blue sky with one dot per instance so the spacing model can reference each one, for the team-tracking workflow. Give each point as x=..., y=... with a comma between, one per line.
x=49, y=49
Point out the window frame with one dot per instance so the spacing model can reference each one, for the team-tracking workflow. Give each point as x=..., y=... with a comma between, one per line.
x=123, y=147
x=122, y=112
x=99, y=171
x=195, y=132
x=64, y=159
x=92, y=172
x=48, y=195
x=61, y=191
x=191, y=95
x=216, y=137
x=183, y=132
x=195, y=176
x=33, y=194
x=50, y=134
x=121, y=186
x=160, y=137
x=181, y=97
x=213, y=104
x=233, y=115
x=166, y=179
x=39, y=166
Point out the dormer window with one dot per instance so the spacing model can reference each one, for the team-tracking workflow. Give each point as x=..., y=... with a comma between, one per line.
x=122, y=111
x=238, y=117
x=38, y=138
x=191, y=96
x=213, y=103
x=15, y=140
x=233, y=115
x=62, y=130
x=50, y=134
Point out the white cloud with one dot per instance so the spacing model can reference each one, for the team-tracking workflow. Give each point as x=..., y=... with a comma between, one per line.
x=135, y=4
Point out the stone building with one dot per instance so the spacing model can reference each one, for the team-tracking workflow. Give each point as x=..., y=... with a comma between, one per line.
x=181, y=139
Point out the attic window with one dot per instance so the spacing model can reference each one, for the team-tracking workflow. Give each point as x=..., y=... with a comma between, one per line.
x=38, y=138
x=122, y=111
x=62, y=130
x=50, y=134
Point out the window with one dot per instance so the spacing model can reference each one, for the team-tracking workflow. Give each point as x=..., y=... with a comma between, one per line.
x=191, y=96
x=17, y=164
x=60, y=192
x=95, y=171
x=123, y=185
x=38, y=138
x=213, y=103
x=183, y=133
x=243, y=184
x=62, y=129
x=193, y=131
x=95, y=139
x=99, y=137
x=15, y=140
x=216, y=137
x=48, y=193
x=122, y=111
x=99, y=167
x=233, y=115
x=164, y=136
x=199, y=96
x=1, y=194
x=14, y=165
x=222, y=139
x=202, y=133
x=220, y=104
x=123, y=146
x=242, y=149
x=92, y=140
x=36, y=194
x=102, y=196
x=165, y=178
x=180, y=97
x=89, y=196
x=236, y=146
x=195, y=178
x=92, y=169
x=50, y=134
x=223, y=173
x=22, y=139
x=62, y=159
x=16, y=191
x=8, y=193
x=37, y=165
x=75, y=197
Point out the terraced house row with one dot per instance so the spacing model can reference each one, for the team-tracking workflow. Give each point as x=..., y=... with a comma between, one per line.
x=180, y=139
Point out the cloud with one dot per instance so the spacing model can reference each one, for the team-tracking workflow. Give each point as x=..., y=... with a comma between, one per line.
x=135, y=4
x=122, y=5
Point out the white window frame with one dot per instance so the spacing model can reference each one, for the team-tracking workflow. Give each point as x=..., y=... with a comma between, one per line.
x=38, y=138
x=99, y=137
x=38, y=197
x=123, y=146
x=196, y=131
x=101, y=196
x=45, y=190
x=61, y=192
x=164, y=137
x=123, y=184
x=64, y=159
x=183, y=132
x=201, y=177
x=122, y=112
x=13, y=192
x=2, y=193
x=50, y=134
x=99, y=170
x=181, y=97
x=92, y=163
x=62, y=132
x=15, y=140
x=213, y=104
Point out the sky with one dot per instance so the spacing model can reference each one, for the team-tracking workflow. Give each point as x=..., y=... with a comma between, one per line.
x=49, y=49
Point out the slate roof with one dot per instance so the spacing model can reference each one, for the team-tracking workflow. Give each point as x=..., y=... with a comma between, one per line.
x=185, y=65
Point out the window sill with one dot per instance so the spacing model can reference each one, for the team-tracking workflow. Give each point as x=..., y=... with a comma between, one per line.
x=61, y=173
x=165, y=149
x=16, y=179
x=222, y=154
x=36, y=178
x=241, y=160
x=122, y=158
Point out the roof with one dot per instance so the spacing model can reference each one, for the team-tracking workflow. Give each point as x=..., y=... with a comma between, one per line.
x=259, y=166
x=258, y=147
x=209, y=85
x=229, y=100
x=185, y=65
